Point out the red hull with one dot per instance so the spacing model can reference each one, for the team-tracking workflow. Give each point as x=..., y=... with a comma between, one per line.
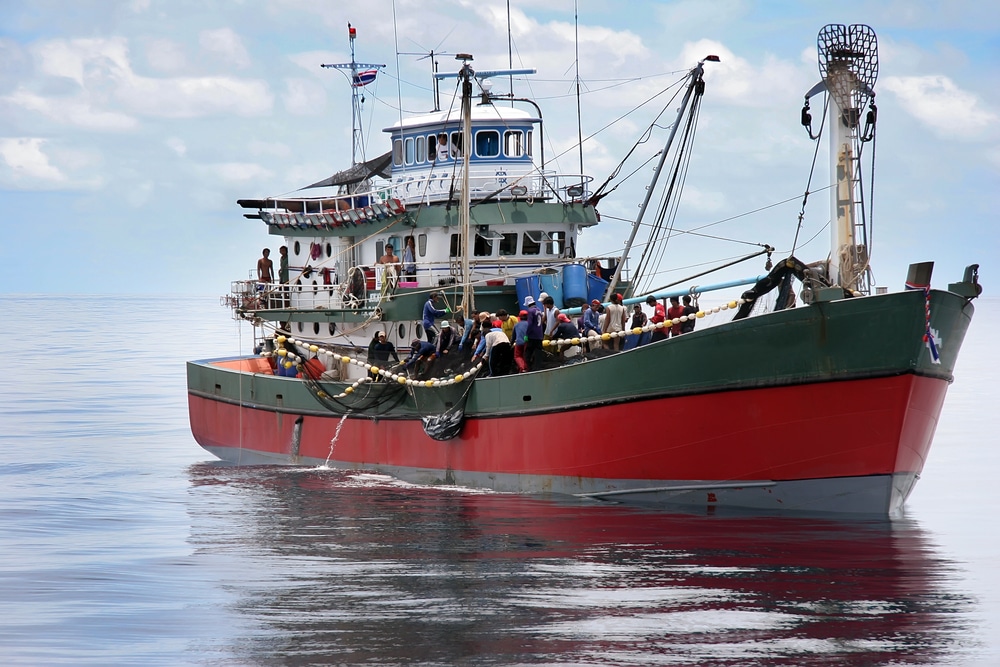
x=857, y=428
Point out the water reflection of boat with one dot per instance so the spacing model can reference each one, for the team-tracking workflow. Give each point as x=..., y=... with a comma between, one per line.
x=352, y=567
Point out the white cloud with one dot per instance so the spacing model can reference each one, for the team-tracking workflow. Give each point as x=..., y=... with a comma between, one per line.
x=304, y=97
x=993, y=156
x=83, y=59
x=102, y=69
x=76, y=111
x=27, y=164
x=240, y=173
x=704, y=201
x=176, y=145
x=937, y=102
x=269, y=148
x=735, y=79
x=165, y=55
x=190, y=97
x=226, y=43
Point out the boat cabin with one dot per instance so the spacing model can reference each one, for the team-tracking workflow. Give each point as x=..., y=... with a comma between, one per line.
x=427, y=155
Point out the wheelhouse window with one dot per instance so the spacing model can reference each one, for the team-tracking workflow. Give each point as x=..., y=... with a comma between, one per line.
x=422, y=244
x=556, y=244
x=487, y=143
x=397, y=152
x=453, y=252
x=421, y=149
x=508, y=245
x=485, y=240
x=408, y=149
x=531, y=243
x=513, y=143
x=527, y=142
x=483, y=247
x=456, y=145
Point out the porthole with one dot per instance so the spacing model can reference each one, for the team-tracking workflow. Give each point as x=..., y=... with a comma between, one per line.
x=316, y=328
x=418, y=331
x=329, y=250
x=298, y=248
x=333, y=328
x=402, y=331
x=300, y=327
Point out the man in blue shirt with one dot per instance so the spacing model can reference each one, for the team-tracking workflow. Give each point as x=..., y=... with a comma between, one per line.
x=533, y=336
x=591, y=319
x=422, y=353
x=431, y=313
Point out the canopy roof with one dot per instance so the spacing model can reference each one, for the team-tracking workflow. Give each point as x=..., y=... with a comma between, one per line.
x=380, y=166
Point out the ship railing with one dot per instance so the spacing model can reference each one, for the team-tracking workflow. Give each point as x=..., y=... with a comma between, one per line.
x=314, y=294
x=341, y=202
x=438, y=185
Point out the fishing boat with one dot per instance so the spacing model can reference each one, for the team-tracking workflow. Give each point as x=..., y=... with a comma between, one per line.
x=827, y=403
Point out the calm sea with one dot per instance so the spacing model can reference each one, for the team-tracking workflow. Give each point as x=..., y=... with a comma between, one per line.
x=123, y=543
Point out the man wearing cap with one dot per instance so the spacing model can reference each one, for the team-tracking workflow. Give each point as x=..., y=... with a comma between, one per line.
x=592, y=319
x=383, y=349
x=659, y=315
x=421, y=355
x=615, y=317
x=520, y=335
x=431, y=313
x=564, y=329
x=533, y=335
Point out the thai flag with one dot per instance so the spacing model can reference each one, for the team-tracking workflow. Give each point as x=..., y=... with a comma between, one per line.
x=364, y=78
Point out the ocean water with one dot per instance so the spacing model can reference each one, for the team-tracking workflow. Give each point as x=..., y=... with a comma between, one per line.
x=123, y=543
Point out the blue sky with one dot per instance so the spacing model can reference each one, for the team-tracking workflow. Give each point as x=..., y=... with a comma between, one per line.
x=129, y=129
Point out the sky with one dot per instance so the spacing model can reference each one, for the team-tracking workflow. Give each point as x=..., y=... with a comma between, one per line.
x=128, y=129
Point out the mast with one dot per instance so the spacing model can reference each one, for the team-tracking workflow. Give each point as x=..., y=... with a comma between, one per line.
x=848, y=63
x=467, y=74
x=361, y=74
x=696, y=85
x=468, y=294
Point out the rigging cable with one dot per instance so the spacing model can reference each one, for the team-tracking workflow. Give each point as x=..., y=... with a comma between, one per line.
x=806, y=121
x=667, y=211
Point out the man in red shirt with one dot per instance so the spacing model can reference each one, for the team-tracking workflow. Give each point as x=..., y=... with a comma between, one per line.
x=659, y=315
x=673, y=312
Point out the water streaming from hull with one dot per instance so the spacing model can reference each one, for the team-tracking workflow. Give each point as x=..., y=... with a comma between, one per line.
x=333, y=442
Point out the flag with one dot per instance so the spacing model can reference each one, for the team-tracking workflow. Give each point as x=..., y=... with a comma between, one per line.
x=364, y=78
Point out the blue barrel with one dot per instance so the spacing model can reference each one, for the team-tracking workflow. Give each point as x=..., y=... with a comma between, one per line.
x=551, y=283
x=574, y=285
x=526, y=286
x=596, y=287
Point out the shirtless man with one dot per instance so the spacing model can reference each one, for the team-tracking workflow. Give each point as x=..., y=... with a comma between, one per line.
x=391, y=262
x=265, y=267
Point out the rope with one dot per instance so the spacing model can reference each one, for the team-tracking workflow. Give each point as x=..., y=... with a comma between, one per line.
x=812, y=170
